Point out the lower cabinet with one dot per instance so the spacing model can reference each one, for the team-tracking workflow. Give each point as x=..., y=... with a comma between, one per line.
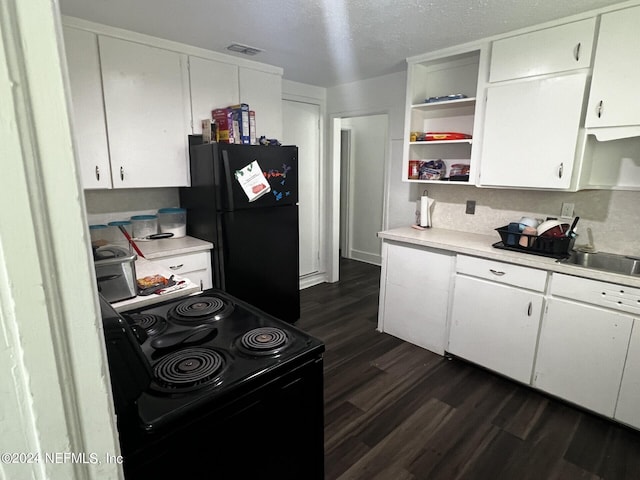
x=628, y=407
x=414, y=294
x=582, y=354
x=495, y=325
x=194, y=266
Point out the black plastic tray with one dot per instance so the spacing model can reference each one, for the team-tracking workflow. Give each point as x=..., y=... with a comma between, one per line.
x=518, y=248
x=554, y=247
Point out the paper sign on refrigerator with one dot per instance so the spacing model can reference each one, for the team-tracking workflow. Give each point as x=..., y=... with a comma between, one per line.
x=253, y=181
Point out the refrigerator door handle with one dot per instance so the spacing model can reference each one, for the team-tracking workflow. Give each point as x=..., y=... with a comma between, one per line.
x=228, y=179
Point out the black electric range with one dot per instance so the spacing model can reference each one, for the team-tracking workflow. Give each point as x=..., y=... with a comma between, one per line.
x=216, y=378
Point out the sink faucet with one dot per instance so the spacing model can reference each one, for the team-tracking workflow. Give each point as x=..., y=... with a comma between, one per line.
x=589, y=247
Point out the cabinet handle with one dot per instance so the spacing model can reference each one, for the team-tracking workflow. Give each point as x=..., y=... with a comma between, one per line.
x=560, y=170
x=201, y=285
x=529, y=309
x=176, y=267
x=577, y=52
x=599, y=110
x=497, y=272
x=122, y=173
x=97, y=173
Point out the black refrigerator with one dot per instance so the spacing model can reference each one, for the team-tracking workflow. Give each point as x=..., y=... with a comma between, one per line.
x=255, y=253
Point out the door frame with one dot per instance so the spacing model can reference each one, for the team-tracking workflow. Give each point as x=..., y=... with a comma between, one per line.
x=333, y=230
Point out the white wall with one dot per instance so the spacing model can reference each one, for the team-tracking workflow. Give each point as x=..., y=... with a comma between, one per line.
x=385, y=94
x=55, y=394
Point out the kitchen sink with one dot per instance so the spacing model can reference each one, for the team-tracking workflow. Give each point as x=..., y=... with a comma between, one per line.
x=609, y=262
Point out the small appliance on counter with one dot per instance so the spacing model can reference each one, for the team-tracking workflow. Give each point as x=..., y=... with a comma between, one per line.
x=115, y=272
x=209, y=386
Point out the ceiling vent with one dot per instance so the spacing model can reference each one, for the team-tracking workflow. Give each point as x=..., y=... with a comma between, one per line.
x=244, y=49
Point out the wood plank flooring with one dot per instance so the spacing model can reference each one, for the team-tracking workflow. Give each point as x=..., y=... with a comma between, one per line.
x=396, y=411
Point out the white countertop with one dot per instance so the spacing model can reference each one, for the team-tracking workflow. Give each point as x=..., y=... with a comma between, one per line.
x=481, y=246
x=167, y=247
x=153, y=249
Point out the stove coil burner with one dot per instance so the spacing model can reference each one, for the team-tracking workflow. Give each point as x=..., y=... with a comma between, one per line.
x=188, y=369
x=194, y=310
x=152, y=324
x=264, y=341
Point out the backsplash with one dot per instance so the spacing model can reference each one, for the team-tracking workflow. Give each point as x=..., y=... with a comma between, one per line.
x=613, y=216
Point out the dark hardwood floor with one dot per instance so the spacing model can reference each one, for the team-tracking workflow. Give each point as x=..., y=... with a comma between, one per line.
x=396, y=411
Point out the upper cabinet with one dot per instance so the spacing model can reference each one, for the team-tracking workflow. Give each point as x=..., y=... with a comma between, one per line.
x=136, y=99
x=262, y=91
x=214, y=84
x=531, y=132
x=534, y=105
x=89, y=125
x=614, y=95
x=146, y=97
x=441, y=116
x=552, y=50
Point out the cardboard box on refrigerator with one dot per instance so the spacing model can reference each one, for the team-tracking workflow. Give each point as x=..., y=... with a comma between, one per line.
x=223, y=117
x=241, y=115
x=253, y=138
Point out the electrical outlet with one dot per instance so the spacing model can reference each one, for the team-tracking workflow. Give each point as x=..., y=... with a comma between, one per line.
x=471, y=207
x=567, y=210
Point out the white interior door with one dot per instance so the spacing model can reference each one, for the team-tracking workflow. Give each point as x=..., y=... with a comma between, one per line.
x=301, y=122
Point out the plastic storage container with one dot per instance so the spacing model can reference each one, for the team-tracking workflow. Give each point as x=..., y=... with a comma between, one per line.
x=173, y=220
x=144, y=225
x=99, y=233
x=119, y=238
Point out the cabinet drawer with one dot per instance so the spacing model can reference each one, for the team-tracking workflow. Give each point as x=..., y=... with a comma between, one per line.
x=524, y=277
x=181, y=264
x=610, y=295
x=552, y=50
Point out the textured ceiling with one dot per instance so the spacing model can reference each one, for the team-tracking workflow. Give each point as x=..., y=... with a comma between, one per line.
x=327, y=42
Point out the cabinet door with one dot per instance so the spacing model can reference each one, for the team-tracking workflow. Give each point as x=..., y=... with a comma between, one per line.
x=415, y=295
x=146, y=93
x=495, y=326
x=581, y=354
x=263, y=92
x=89, y=125
x=213, y=85
x=194, y=266
x=531, y=132
x=556, y=49
x=628, y=408
x=614, y=92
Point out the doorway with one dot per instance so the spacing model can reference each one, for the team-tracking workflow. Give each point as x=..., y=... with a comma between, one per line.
x=363, y=157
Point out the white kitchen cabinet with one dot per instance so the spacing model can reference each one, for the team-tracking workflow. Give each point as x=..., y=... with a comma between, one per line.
x=531, y=132
x=437, y=77
x=414, y=294
x=581, y=354
x=194, y=266
x=262, y=91
x=495, y=325
x=89, y=126
x=551, y=50
x=614, y=94
x=628, y=406
x=213, y=84
x=146, y=97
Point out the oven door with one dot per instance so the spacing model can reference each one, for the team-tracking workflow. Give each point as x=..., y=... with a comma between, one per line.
x=275, y=430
